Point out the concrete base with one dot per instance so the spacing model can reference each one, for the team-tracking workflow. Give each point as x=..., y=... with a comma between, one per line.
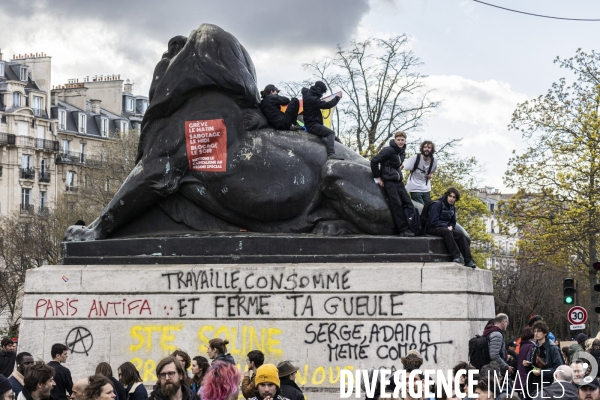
x=321, y=317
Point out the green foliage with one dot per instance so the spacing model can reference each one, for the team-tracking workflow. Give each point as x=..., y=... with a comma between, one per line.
x=557, y=208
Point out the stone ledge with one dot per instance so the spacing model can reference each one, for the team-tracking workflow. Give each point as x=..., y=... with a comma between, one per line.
x=245, y=248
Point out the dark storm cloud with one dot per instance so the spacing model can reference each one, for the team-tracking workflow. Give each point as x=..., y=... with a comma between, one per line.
x=256, y=23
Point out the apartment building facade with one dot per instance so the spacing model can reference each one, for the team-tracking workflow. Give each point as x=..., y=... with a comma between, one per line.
x=49, y=134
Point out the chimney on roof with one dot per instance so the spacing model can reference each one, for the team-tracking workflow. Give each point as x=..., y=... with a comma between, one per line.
x=128, y=86
x=96, y=106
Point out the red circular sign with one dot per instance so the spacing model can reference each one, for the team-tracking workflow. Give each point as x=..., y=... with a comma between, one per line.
x=577, y=315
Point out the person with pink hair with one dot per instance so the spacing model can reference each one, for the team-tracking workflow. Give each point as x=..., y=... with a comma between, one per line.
x=221, y=382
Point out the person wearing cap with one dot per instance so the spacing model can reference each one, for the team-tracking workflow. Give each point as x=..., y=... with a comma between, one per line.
x=270, y=105
x=589, y=389
x=287, y=377
x=6, y=392
x=313, y=119
x=268, y=384
x=577, y=347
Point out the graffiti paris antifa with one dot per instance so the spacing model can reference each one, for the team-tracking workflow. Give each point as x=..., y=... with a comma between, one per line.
x=321, y=319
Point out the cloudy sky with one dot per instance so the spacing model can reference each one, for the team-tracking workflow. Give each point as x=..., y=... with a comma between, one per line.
x=481, y=61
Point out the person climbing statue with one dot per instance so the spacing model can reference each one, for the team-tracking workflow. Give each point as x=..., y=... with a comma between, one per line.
x=313, y=119
x=270, y=105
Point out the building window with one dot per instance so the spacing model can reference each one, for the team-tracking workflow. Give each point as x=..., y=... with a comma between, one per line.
x=82, y=123
x=23, y=74
x=129, y=104
x=43, y=201
x=25, y=161
x=82, y=155
x=144, y=106
x=124, y=126
x=62, y=119
x=104, y=127
x=492, y=226
x=71, y=181
x=1, y=68
x=44, y=166
x=37, y=106
x=23, y=128
x=492, y=207
x=16, y=99
x=25, y=198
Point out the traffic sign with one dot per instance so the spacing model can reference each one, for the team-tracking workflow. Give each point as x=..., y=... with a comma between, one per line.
x=576, y=327
x=577, y=315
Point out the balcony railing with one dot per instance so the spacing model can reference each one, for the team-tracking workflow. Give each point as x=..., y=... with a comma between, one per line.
x=68, y=157
x=26, y=141
x=77, y=158
x=27, y=173
x=44, y=210
x=27, y=208
x=44, y=177
x=50, y=145
x=71, y=188
x=3, y=138
x=40, y=112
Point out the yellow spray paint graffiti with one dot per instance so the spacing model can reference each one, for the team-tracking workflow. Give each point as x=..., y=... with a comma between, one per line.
x=162, y=338
x=249, y=338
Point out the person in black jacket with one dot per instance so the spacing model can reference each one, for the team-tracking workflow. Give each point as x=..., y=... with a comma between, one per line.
x=62, y=375
x=270, y=105
x=313, y=119
x=8, y=356
x=287, y=378
x=442, y=221
x=386, y=171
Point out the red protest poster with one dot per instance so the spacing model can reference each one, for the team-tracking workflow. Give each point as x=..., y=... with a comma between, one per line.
x=206, y=145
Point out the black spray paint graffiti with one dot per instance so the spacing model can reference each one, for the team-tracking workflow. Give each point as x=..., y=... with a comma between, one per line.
x=210, y=279
x=80, y=340
x=352, y=341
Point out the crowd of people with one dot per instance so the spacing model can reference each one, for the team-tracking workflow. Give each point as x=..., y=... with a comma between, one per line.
x=24, y=378
x=438, y=217
x=531, y=367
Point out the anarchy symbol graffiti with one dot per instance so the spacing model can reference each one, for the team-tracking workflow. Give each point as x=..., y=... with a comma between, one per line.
x=80, y=340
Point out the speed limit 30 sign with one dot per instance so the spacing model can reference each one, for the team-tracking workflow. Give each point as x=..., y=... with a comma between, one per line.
x=577, y=315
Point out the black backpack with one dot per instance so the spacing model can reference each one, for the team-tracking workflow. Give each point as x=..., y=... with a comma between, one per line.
x=412, y=219
x=424, y=219
x=479, y=351
x=417, y=161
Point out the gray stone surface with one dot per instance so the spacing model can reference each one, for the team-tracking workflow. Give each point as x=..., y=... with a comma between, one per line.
x=142, y=313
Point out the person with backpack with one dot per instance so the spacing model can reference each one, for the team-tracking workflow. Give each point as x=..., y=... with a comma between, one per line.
x=386, y=167
x=421, y=167
x=496, y=346
x=439, y=217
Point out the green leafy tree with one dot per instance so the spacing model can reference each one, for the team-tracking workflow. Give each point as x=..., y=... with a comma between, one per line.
x=557, y=207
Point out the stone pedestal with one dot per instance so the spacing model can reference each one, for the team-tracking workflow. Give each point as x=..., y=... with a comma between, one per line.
x=321, y=316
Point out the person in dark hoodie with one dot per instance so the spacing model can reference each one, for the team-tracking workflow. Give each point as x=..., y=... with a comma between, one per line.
x=287, y=379
x=385, y=167
x=442, y=221
x=6, y=392
x=313, y=119
x=217, y=351
x=171, y=382
x=270, y=105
